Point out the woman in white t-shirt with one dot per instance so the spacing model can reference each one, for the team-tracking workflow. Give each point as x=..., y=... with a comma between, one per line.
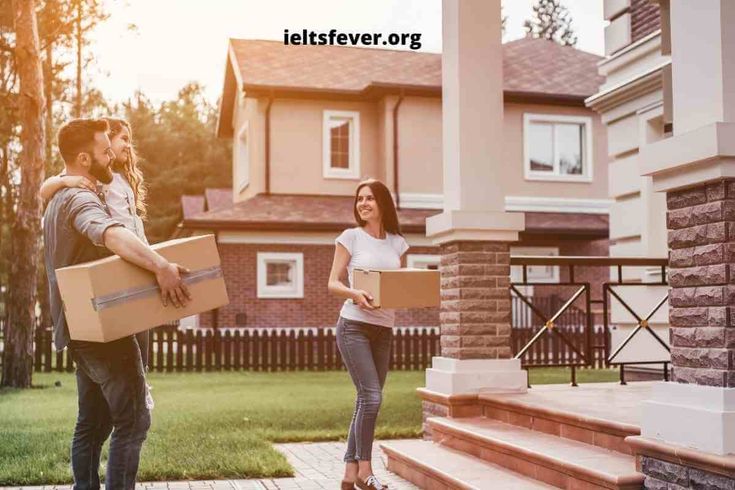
x=364, y=333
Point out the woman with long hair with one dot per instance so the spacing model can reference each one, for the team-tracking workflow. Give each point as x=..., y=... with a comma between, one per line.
x=364, y=332
x=124, y=196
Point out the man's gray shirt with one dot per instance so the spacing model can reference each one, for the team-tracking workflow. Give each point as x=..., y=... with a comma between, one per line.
x=73, y=228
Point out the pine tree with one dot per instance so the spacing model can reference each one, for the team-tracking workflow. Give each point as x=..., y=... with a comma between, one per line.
x=21, y=318
x=551, y=20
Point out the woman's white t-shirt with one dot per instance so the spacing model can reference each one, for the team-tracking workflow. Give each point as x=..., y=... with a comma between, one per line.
x=368, y=252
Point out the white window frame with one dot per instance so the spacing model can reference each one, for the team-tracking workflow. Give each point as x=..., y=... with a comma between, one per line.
x=415, y=261
x=243, y=157
x=353, y=169
x=295, y=291
x=551, y=273
x=587, y=150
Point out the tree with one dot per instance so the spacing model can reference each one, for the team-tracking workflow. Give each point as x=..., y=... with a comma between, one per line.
x=551, y=20
x=21, y=318
x=180, y=154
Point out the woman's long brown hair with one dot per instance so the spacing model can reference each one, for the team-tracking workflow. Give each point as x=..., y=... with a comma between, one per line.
x=129, y=168
x=385, y=204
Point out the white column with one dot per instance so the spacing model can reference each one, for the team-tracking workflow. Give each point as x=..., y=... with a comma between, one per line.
x=474, y=200
x=701, y=150
x=472, y=122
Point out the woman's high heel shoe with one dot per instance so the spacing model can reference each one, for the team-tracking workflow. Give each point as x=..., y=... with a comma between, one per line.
x=347, y=485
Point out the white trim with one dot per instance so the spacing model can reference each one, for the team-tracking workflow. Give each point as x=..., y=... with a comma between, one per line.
x=243, y=183
x=629, y=48
x=353, y=170
x=412, y=259
x=558, y=205
x=596, y=99
x=410, y=200
x=587, y=152
x=295, y=291
x=300, y=238
x=518, y=203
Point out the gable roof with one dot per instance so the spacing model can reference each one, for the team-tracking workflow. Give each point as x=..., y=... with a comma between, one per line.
x=532, y=69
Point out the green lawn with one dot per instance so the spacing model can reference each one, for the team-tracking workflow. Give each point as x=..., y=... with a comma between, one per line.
x=213, y=425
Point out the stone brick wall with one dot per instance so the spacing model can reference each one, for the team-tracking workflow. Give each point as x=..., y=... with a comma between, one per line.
x=475, y=306
x=701, y=223
x=644, y=19
x=663, y=475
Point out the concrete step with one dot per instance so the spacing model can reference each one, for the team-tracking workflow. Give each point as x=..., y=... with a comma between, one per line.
x=431, y=466
x=563, y=463
x=595, y=415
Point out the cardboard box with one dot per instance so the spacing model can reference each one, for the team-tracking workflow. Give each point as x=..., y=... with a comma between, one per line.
x=399, y=288
x=110, y=298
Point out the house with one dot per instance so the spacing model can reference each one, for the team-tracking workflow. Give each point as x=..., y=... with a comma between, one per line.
x=633, y=110
x=308, y=123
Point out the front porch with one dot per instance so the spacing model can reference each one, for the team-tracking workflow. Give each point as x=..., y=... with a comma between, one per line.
x=555, y=436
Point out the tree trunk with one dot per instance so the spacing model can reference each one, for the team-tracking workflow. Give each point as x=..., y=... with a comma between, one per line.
x=18, y=353
x=80, y=41
x=48, y=80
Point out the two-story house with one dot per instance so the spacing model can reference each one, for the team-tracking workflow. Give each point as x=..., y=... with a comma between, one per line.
x=309, y=122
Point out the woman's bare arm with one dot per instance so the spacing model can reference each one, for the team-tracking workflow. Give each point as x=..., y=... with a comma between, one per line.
x=338, y=288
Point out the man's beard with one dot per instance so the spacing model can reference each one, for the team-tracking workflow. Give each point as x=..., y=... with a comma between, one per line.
x=101, y=172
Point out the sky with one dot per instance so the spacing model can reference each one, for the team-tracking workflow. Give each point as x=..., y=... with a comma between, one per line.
x=178, y=41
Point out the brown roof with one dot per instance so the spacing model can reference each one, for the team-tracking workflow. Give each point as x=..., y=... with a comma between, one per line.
x=334, y=213
x=192, y=205
x=218, y=198
x=534, y=66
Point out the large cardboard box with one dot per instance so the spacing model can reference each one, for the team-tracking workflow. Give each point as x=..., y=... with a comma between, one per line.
x=400, y=288
x=108, y=299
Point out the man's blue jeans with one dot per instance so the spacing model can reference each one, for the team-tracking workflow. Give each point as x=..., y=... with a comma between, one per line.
x=111, y=389
x=365, y=350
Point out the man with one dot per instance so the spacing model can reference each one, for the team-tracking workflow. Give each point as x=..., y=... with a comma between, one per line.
x=110, y=378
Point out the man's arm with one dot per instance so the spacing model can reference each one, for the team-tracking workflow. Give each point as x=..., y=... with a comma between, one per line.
x=90, y=218
x=128, y=246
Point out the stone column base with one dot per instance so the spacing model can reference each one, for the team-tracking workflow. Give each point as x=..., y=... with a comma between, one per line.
x=692, y=416
x=458, y=376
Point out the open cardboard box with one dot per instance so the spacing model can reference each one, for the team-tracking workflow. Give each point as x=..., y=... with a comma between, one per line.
x=110, y=298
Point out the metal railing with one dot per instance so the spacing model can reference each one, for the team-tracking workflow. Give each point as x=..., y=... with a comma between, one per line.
x=549, y=322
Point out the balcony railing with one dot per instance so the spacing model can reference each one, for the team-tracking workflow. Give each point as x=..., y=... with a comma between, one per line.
x=567, y=322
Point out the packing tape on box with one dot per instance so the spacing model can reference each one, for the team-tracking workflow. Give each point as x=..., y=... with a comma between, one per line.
x=119, y=297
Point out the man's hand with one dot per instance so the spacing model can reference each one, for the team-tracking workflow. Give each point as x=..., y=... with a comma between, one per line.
x=172, y=287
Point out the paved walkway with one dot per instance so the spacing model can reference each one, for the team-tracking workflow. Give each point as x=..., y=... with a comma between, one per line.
x=316, y=466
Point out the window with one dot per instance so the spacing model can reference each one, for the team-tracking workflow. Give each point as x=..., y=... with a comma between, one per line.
x=416, y=261
x=280, y=275
x=242, y=152
x=557, y=147
x=535, y=273
x=341, y=144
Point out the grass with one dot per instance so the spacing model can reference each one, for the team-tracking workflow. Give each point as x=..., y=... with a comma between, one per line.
x=213, y=425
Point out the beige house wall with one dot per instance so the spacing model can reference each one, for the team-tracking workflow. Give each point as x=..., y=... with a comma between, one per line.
x=420, y=145
x=513, y=174
x=248, y=160
x=296, y=146
x=296, y=150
